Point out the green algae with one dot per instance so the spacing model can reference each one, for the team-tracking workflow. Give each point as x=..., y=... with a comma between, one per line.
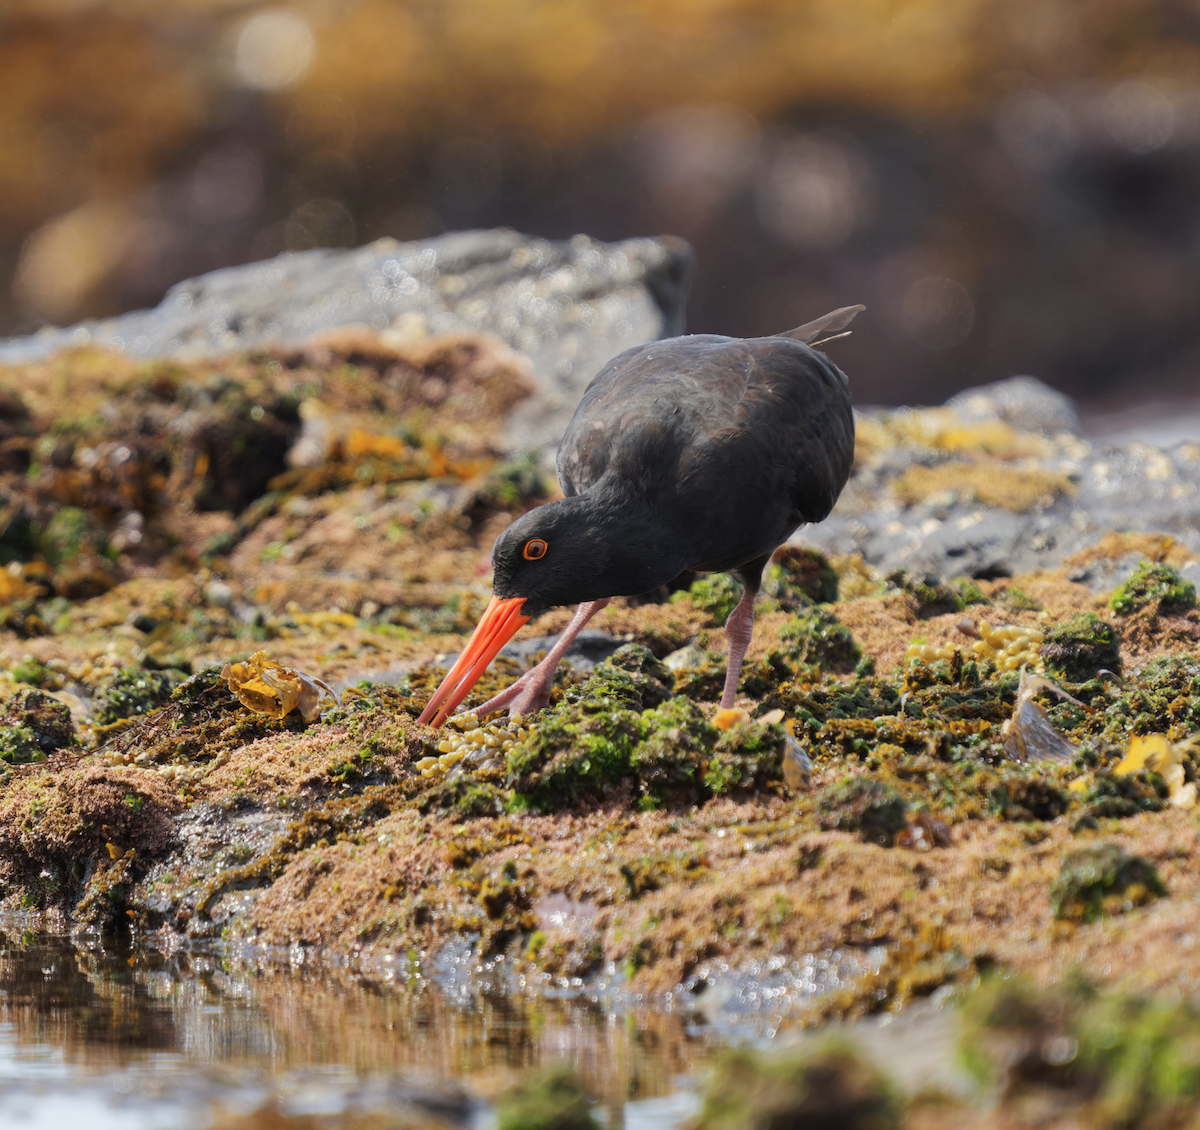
x=715, y=595
x=832, y=1086
x=552, y=1100
x=131, y=691
x=19, y=745
x=1152, y=582
x=1117, y=1060
x=680, y=739
x=1080, y=647
x=799, y=575
x=47, y=719
x=574, y=751
x=1102, y=879
x=1112, y=797
x=747, y=756
x=815, y=638
x=632, y=677
x=861, y=804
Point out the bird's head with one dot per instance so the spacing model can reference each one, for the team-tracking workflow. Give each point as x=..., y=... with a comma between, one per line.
x=563, y=552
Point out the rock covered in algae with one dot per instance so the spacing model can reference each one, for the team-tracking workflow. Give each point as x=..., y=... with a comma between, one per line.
x=862, y=804
x=1079, y=648
x=1110, y=1059
x=815, y=637
x=553, y=1100
x=832, y=1087
x=130, y=691
x=1153, y=582
x=1103, y=879
x=47, y=719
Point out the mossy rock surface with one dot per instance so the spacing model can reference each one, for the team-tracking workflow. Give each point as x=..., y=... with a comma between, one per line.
x=1081, y=647
x=1103, y=879
x=1152, y=582
x=131, y=691
x=828, y=1088
x=862, y=804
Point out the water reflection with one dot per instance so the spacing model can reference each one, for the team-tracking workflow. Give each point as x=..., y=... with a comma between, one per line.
x=154, y=1039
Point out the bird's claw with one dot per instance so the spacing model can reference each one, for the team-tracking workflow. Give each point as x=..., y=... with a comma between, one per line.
x=528, y=694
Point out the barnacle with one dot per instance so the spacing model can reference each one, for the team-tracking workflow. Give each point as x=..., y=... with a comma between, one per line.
x=267, y=687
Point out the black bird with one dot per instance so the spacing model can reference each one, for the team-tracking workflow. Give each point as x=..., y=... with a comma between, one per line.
x=699, y=452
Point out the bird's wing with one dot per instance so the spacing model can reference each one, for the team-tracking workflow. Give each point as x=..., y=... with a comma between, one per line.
x=622, y=409
x=832, y=322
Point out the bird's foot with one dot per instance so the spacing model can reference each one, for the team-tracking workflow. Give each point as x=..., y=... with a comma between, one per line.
x=528, y=694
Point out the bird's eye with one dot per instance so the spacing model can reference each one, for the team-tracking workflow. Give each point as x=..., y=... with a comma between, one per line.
x=534, y=549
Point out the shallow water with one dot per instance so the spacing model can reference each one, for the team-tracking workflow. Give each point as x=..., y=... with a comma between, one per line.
x=137, y=1038
x=109, y=1035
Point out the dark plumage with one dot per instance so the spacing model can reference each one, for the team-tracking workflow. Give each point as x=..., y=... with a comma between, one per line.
x=698, y=452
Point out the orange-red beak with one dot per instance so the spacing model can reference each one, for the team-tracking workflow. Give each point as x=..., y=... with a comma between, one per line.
x=497, y=625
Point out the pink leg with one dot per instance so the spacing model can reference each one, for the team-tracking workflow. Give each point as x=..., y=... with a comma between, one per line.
x=738, y=630
x=532, y=690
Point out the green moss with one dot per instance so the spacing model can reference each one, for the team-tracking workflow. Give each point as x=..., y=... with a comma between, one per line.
x=680, y=740
x=817, y=638
x=552, y=1101
x=716, y=595
x=48, y=719
x=1102, y=879
x=832, y=1087
x=1077, y=649
x=798, y=574
x=864, y=805
x=1127, y=1060
x=131, y=691
x=19, y=744
x=573, y=750
x=748, y=755
x=1152, y=582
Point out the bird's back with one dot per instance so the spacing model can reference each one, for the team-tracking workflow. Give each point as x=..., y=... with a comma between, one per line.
x=733, y=442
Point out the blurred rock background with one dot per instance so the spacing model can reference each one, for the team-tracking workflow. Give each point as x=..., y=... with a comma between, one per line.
x=1011, y=186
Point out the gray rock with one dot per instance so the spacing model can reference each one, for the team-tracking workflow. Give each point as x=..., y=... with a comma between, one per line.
x=569, y=305
x=1135, y=488
x=1026, y=403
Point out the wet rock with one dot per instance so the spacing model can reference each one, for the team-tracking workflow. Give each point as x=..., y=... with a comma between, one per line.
x=569, y=305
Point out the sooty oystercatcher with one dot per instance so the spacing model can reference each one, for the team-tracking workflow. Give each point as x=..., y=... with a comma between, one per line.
x=699, y=452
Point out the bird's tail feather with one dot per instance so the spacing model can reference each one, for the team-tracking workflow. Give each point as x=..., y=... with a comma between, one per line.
x=832, y=322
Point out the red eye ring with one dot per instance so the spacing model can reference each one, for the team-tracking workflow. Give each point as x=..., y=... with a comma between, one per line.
x=534, y=550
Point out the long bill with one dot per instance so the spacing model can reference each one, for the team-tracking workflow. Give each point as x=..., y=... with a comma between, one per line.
x=497, y=625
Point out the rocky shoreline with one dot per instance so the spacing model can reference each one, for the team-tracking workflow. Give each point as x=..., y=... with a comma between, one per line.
x=232, y=582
